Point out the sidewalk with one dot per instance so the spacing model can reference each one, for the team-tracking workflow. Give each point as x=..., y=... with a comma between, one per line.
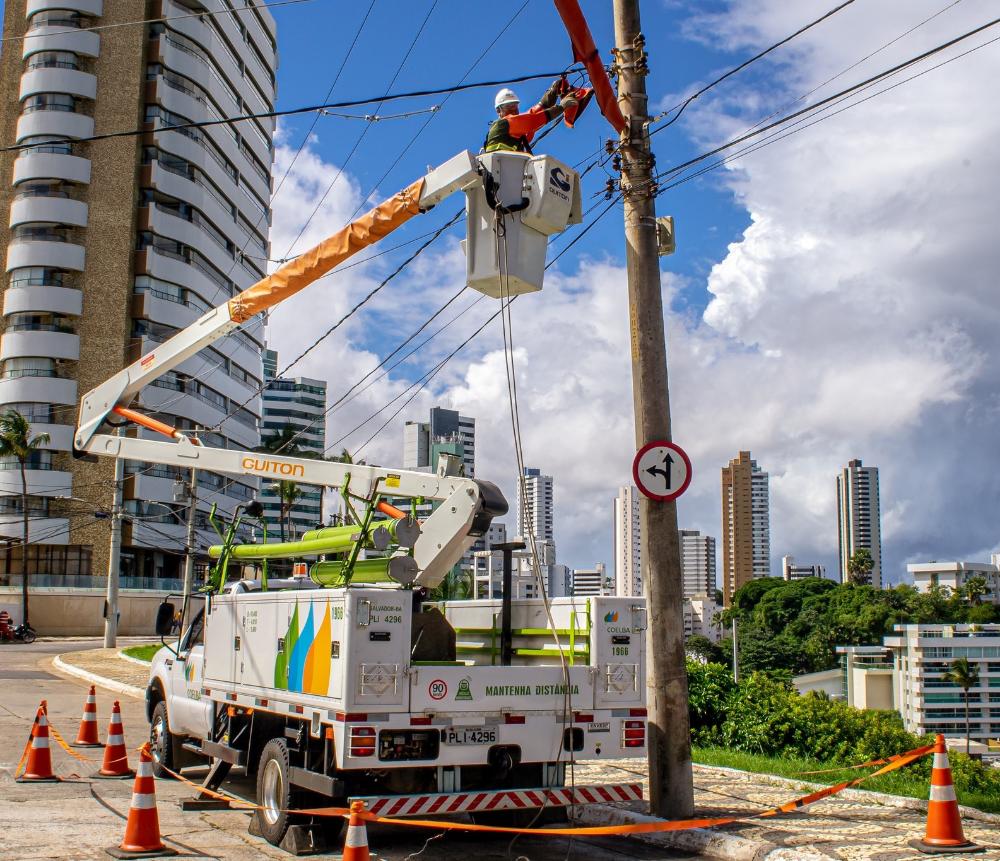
x=854, y=826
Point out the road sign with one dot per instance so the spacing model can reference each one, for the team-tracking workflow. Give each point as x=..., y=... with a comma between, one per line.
x=661, y=470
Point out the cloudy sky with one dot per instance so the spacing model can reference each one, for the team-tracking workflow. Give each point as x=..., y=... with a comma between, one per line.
x=834, y=293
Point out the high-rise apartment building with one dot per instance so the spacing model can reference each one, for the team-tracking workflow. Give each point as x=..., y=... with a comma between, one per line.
x=535, y=509
x=746, y=529
x=858, y=517
x=697, y=563
x=111, y=246
x=446, y=432
x=628, y=558
x=591, y=581
x=293, y=404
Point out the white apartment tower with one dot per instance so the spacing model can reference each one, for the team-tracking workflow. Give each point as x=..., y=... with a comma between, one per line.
x=293, y=404
x=535, y=509
x=697, y=563
x=858, y=517
x=628, y=559
x=111, y=246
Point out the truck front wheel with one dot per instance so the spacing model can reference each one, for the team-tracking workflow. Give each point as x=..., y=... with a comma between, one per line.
x=162, y=742
x=274, y=791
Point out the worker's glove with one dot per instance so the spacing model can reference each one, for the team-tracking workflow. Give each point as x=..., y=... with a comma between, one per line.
x=551, y=94
x=569, y=101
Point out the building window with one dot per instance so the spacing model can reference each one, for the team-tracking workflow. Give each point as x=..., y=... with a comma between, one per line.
x=53, y=60
x=53, y=144
x=38, y=276
x=49, y=102
x=72, y=560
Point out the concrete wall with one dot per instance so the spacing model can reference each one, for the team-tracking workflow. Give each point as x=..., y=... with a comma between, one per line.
x=79, y=612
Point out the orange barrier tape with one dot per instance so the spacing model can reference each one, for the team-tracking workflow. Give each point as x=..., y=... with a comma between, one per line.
x=899, y=761
x=24, y=757
x=62, y=743
x=868, y=764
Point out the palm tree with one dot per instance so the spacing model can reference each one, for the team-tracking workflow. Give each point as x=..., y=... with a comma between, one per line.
x=859, y=567
x=288, y=494
x=966, y=676
x=17, y=442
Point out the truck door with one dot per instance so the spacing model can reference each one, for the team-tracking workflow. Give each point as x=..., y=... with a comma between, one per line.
x=618, y=651
x=188, y=712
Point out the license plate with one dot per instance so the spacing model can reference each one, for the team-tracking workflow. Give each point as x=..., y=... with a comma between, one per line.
x=471, y=735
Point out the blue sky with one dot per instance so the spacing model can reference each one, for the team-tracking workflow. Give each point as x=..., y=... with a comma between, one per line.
x=832, y=296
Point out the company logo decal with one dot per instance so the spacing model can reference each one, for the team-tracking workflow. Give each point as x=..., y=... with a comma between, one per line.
x=303, y=664
x=274, y=467
x=611, y=617
x=464, y=691
x=558, y=178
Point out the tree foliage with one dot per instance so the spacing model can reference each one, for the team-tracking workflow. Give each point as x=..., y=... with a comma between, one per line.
x=796, y=625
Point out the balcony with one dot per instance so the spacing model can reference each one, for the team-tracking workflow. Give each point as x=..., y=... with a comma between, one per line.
x=41, y=530
x=53, y=38
x=149, y=261
x=28, y=389
x=58, y=255
x=71, y=81
x=45, y=165
x=58, y=300
x=66, y=123
x=41, y=482
x=55, y=210
x=85, y=7
x=53, y=345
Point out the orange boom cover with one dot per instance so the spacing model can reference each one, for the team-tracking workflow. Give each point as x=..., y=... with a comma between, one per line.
x=585, y=51
x=316, y=262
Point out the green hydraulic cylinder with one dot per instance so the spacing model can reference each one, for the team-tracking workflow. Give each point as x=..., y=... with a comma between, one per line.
x=403, y=531
x=399, y=569
x=285, y=550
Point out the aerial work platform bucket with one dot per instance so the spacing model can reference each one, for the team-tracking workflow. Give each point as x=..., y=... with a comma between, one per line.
x=523, y=200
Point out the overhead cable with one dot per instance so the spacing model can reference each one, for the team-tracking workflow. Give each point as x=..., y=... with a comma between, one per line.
x=746, y=63
x=350, y=103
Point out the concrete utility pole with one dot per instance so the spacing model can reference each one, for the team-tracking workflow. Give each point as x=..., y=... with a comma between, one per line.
x=671, y=787
x=114, y=558
x=192, y=500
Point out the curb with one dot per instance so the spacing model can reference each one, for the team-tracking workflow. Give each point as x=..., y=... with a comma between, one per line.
x=712, y=843
x=100, y=681
x=862, y=795
x=131, y=660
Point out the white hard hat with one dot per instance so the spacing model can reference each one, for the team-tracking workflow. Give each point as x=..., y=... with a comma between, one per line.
x=505, y=97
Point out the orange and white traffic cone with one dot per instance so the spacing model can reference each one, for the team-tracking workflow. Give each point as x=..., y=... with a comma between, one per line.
x=944, y=833
x=38, y=768
x=142, y=830
x=87, y=736
x=115, y=763
x=356, y=842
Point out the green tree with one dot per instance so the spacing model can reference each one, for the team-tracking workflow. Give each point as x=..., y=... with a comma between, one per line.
x=18, y=443
x=288, y=494
x=285, y=442
x=859, y=567
x=704, y=650
x=974, y=589
x=966, y=676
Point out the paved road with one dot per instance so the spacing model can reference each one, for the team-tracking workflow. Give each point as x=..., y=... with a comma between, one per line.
x=78, y=818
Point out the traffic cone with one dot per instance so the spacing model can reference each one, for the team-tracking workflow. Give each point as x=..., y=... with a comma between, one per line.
x=115, y=763
x=38, y=768
x=87, y=736
x=142, y=831
x=944, y=833
x=356, y=842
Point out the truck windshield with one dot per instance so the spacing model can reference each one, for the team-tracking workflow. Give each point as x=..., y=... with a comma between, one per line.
x=193, y=635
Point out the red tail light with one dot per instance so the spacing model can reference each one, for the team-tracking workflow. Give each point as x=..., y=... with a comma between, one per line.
x=633, y=733
x=362, y=741
x=513, y=718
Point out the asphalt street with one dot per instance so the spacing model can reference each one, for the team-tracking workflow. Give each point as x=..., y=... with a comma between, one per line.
x=79, y=817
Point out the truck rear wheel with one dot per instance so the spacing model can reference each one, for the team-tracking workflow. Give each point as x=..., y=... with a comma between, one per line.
x=274, y=791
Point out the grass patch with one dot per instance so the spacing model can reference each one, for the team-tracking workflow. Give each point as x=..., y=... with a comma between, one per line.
x=903, y=782
x=142, y=653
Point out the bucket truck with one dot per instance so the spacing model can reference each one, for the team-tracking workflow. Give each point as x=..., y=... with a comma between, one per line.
x=346, y=683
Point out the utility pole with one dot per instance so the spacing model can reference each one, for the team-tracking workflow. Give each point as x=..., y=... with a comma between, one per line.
x=192, y=499
x=671, y=787
x=114, y=558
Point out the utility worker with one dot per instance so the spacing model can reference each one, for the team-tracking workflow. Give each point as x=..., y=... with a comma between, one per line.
x=513, y=131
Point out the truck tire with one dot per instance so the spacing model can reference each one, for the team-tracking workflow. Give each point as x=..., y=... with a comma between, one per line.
x=274, y=791
x=162, y=742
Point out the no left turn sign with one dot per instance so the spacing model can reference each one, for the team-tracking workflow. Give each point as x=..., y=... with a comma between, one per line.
x=661, y=470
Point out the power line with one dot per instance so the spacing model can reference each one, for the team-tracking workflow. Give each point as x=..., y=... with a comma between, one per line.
x=206, y=14
x=364, y=132
x=748, y=62
x=351, y=103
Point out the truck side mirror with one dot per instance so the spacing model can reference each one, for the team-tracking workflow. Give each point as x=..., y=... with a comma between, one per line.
x=164, y=619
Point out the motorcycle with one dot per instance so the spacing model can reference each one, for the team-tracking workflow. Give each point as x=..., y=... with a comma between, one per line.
x=18, y=634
